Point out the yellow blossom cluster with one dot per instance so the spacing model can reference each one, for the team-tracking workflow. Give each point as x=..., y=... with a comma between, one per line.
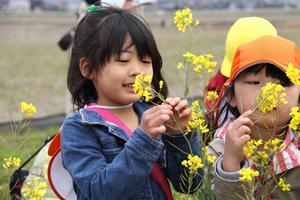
x=142, y=86
x=270, y=96
x=209, y=158
x=183, y=19
x=197, y=119
x=200, y=62
x=247, y=174
x=28, y=109
x=251, y=147
x=11, y=162
x=271, y=146
x=293, y=74
x=34, y=189
x=193, y=163
x=212, y=95
x=295, y=121
x=285, y=187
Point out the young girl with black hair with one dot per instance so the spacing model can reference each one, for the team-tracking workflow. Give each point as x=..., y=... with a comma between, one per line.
x=116, y=146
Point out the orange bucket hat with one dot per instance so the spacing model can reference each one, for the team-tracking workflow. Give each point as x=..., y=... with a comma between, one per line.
x=266, y=49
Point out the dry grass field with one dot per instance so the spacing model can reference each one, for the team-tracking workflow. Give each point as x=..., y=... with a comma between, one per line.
x=33, y=68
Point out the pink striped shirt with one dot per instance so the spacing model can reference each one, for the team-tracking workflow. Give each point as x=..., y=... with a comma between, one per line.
x=285, y=159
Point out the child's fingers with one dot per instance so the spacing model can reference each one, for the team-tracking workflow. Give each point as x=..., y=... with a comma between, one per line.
x=247, y=113
x=158, y=130
x=159, y=120
x=185, y=113
x=158, y=108
x=243, y=130
x=160, y=111
x=172, y=101
x=244, y=139
x=181, y=105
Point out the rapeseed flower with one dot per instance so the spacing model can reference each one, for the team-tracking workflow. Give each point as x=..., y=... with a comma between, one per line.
x=251, y=147
x=201, y=62
x=247, y=174
x=28, y=109
x=285, y=187
x=183, y=19
x=212, y=95
x=197, y=119
x=270, y=96
x=273, y=145
x=180, y=66
x=193, y=163
x=295, y=121
x=34, y=189
x=293, y=74
x=11, y=162
x=142, y=86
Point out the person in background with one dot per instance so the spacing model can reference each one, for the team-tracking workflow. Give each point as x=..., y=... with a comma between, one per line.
x=260, y=62
x=242, y=31
x=67, y=39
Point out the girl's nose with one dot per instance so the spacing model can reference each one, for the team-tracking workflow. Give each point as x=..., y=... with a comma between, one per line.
x=135, y=69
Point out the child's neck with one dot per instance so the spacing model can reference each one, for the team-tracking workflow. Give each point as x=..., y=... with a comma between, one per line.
x=128, y=116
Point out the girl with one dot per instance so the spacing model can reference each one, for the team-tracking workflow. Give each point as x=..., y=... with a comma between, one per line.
x=256, y=63
x=129, y=156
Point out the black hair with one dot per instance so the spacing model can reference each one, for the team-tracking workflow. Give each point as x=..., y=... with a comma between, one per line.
x=101, y=35
x=271, y=71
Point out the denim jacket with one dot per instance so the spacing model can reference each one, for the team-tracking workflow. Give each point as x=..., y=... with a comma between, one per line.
x=105, y=164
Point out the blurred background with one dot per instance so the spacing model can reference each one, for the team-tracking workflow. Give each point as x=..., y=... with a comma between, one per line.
x=33, y=67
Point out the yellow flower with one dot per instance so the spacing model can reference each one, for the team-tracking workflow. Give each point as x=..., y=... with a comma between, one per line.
x=210, y=158
x=161, y=84
x=251, y=147
x=142, y=86
x=270, y=96
x=212, y=95
x=295, y=121
x=197, y=23
x=293, y=74
x=284, y=186
x=183, y=19
x=200, y=62
x=28, y=109
x=193, y=163
x=11, y=162
x=197, y=119
x=273, y=145
x=179, y=66
x=247, y=174
x=34, y=189
x=261, y=156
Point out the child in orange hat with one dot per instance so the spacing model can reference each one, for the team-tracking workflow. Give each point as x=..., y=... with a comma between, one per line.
x=254, y=136
x=243, y=30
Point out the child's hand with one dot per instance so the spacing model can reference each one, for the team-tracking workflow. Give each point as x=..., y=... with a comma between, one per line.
x=182, y=114
x=153, y=120
x=238, y=133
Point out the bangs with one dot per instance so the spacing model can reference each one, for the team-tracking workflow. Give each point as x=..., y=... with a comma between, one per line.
x=271, y=71
x=115, y=30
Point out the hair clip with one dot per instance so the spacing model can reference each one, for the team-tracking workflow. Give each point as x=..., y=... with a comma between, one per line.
x=92, y=8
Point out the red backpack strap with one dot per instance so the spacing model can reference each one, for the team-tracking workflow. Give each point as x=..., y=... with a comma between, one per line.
x=59, y=178
x=54, y=145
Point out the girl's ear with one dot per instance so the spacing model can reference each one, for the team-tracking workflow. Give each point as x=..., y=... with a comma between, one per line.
x=84, y=66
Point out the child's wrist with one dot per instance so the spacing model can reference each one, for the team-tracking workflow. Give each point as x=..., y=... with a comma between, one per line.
x=230, y=164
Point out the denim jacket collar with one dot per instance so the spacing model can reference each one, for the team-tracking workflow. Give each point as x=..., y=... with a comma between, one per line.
x=92, y=118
